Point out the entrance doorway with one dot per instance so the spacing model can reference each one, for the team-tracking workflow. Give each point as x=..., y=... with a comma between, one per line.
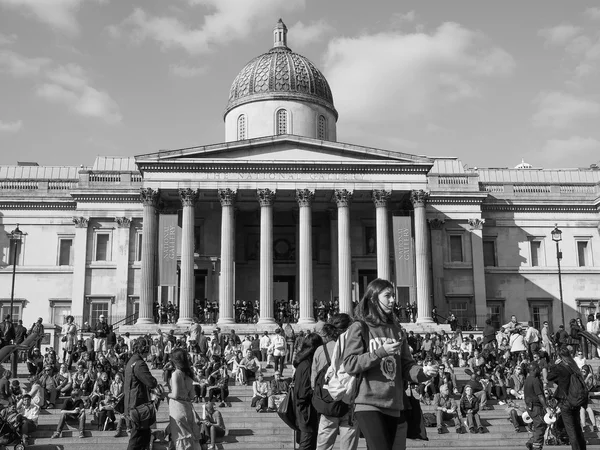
x=284, y=287
x=364, y=278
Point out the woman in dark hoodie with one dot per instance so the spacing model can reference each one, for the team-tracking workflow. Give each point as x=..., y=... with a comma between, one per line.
x=306, y=415
x=385, y=363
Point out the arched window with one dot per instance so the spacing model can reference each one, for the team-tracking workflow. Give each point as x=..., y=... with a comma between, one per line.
x=322, y=128
x=241, y=128
x=282, y=122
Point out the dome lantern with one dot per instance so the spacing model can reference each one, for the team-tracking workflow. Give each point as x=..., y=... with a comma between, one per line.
x=280, y=35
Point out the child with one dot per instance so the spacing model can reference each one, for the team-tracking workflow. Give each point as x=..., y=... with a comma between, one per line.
x=15, y=391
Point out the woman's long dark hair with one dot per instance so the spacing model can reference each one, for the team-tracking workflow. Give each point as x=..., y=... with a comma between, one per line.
x=368, y=309
x=565, y=356
x=309, y=345
x=181, y=361
x=336, y=325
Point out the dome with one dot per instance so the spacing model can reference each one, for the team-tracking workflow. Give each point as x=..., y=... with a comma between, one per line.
x=280, y=74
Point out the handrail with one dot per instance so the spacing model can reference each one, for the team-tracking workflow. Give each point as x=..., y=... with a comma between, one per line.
x=116, y=325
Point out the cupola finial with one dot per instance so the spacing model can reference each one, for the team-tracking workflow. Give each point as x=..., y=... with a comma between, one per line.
x=280, y=35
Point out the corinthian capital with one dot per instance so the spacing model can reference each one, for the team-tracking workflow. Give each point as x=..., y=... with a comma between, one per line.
x=123, y=222
x=304, y=197
x=343, y=197
x=227, y=196
x=265, y=197
x=149, y=197
x=81, y=222
x=476, y=224
x=188, y=196
x=419, y=198
x=381, y=197
x=436, y=224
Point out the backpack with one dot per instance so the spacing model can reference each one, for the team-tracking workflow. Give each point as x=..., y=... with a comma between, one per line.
x=577, y=393
x=321, y=399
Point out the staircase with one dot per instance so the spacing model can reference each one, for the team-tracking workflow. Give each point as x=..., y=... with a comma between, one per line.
x=247, y=429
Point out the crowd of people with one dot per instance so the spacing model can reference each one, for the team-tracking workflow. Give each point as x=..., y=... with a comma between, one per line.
x=526, y=370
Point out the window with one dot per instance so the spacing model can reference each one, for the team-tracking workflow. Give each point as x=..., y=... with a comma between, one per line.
x=489, y=253
x=59, y=310
x=138, y=245
x=456, y=248
x=536, y=253
x=97, y=309
x=65, y=252
x=11, y=254
x=282, y=121
x=540, y=311
x=585, y=307
x=495, y=312
x=322, y=128
x=16, y=311
x=583, y=258
x=462, y=308
x=102, y=247
x=241, y=128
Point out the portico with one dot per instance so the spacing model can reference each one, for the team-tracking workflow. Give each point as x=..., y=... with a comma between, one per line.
x=282, y=207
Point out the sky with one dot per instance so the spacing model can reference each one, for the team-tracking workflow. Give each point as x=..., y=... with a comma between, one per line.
x=492, y=83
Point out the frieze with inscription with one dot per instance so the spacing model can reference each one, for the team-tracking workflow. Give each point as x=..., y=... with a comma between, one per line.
x=280, y=176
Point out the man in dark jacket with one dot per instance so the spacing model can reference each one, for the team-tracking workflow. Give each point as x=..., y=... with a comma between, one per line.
x=8, y=331
x=138, y=382
x=560, y=373
x=535, y=401
x=20, y=333
x=562, y=337
x=101, y=330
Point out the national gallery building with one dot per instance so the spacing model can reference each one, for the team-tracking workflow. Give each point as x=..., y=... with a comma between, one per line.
x=283, y=211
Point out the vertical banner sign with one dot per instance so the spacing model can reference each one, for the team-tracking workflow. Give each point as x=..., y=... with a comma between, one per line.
x=167, y=241
x=404, y=257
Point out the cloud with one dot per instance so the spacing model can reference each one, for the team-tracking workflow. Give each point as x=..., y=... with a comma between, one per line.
x=390, y=76
x=593, y=13
x=69, y=85
x=66, y=84
x=19, y=66
x=575, y=150
x=60, y=15
x=10, y=127
x=560, y=34
x=562, y=110
x=7, y=39
x=228, y=21
x=184, y=71
x=304, y=35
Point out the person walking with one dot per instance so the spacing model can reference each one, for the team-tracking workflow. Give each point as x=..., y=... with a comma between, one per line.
x=560, y=373
x=306, y=415
x=330, y=426
x=185, y=432
x=70, y=341
x=385, y=363
x=547, y=338
x=138, y=381
x=532, y=339
x=535, y=401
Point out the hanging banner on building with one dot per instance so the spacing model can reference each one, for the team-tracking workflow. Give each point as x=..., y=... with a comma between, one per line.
x=404, y=255
x=167, y=244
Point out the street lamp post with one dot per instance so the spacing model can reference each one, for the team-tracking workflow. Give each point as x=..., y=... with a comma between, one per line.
x=557, y=237
x=15, y=238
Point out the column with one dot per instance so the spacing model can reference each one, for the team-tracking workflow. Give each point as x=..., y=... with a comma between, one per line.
x=437, y=264
x=424, y=304
x=479, y=292
x=266, y=197
x=79, y=260
x=380, y=198
x=149, y=198
x=343, y=199
x=188, y=197
x=333, y=236
x=304, y=197
x=227, y=279
x=122, y=260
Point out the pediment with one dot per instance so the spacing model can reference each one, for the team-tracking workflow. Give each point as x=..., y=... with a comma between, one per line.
x=284, y=149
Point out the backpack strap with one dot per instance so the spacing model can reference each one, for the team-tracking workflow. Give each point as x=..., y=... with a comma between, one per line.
x=326, y=355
